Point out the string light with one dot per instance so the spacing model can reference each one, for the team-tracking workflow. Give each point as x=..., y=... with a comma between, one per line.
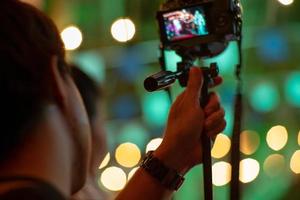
x=113, y=178
x=132, y=172
x=123, y=30
x=274, y=165
x=72, y=37
x=295, y=162
x=221, y=146
x=286, y=2
x=153, y=144
x=221, y=172
x=277, y=137
x=249, y=170
x=249, y=142
x=128, y=154
x=105, y=161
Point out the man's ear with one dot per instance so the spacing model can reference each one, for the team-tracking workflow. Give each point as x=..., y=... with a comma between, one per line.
x=58, y=83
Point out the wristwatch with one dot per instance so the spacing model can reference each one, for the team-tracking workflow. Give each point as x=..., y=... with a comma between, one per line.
x=168, y=177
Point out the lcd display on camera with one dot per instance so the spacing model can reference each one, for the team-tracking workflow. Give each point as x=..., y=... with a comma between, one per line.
x=185, y=24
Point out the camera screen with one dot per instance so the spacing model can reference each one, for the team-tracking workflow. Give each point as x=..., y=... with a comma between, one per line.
x=185, y=24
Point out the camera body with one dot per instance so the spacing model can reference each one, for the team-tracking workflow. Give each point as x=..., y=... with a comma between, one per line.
x=199, y=27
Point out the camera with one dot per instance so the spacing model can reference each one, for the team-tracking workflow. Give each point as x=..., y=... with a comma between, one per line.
x=194, y=29
x=202, y=28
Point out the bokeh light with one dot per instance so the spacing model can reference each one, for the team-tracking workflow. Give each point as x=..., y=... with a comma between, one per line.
x=264, y=97
x=123, y=30
x=132, y=172
x=295, y=162
x=113, y=178
x=292, y=89
x=72, y=37
x=277, y=137
x=128, y=154
x=249, y=170
x=286, y=2
x=272, y=46
x=221, y=173
x=221, y=146
x=153, y=144
x=135, y=133
x=92, y=63
x=156, y=108
x=105, y=161
x=227, y=60
x=249, y=142
x=274, y=165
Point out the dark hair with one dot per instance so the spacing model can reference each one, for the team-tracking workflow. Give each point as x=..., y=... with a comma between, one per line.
x=28, y=41
x=89, y=90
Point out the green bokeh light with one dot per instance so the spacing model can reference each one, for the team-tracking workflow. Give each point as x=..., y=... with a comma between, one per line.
x=265, y=97
x=92, y=64
x=171, y=60
x=227, y=60
x=292, y=89
x=134, y=133
x=155, y=108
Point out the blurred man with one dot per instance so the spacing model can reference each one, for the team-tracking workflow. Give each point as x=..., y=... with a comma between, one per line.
x=92, y=97
x=45, y=136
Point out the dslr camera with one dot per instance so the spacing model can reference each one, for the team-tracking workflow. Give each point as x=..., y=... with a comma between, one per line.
x=194, y=29
x=202, y=28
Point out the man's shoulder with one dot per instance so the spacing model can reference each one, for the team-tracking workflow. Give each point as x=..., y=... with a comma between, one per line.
x=33, y=190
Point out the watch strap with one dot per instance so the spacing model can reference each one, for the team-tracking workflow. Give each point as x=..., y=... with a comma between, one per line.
x=168, y=177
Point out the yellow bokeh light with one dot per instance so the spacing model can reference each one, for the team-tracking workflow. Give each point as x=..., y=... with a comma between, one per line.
x=132, y=172
x=221, y=146
x=299, y=138
x=128, y=154
x=153, y=144
x=274, y=165
x=113, y=178
x=105, y=161
x=286, y=2
x=249, y=142
x=72, y=37
x=295, y=162
x=277, y=137
x=123, y=30
x=249, y=170
x=221, y=173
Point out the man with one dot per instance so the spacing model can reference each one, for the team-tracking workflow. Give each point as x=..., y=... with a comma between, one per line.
x=92, y=98
x=45, y=136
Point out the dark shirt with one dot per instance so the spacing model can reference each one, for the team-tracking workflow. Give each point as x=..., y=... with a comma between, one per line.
x=28, y=189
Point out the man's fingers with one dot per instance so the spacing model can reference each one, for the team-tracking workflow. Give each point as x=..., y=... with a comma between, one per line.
x=213, y=104
x=194, y=84
x=218, y=128
x=216, y=81
x=214, y=119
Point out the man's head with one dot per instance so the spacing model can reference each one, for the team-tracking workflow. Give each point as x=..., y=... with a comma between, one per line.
x=92, y=97
x=33, y=74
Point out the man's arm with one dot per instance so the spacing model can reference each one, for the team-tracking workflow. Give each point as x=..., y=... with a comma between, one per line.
x=181, y=147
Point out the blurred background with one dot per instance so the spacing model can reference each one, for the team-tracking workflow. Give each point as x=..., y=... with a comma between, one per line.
x=116, y=43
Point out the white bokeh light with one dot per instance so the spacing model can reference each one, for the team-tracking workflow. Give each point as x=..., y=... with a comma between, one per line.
x=286, y=2
x=153, y=144
x=249, y=170
x=221, y=172
x=113, y=178
x=72, y=37
x=123, y=30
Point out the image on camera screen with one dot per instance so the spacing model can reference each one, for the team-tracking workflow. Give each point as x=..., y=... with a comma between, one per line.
x=185, y=24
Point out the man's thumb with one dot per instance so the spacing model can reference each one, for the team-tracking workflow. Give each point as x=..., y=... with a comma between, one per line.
x=195, y=83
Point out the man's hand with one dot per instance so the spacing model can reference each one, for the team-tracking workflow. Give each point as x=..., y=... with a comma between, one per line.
x=181, y=147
